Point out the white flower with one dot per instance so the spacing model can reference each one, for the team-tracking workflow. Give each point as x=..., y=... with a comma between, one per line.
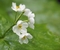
x=31, y=23
x=30, y=15
x=26, y=12
x=23, y=38
x=20, y=8
x=20, y=27
x=31, y=20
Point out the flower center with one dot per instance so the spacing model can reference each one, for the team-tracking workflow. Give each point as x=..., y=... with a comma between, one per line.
x=17, y=7
x=24, y=37
x=19, y=26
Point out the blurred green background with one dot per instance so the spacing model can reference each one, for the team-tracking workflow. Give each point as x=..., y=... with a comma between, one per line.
x=47, y=25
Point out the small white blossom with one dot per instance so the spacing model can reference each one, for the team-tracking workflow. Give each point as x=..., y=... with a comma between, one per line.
x=20, y=8
x=20, y=27
x=30, y=15
x=31, y=20
x=31, y=23
x=23, y=38
x=26, y=12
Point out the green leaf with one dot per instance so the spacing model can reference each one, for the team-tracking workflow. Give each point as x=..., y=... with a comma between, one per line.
x=42, y=39
x=46, y=35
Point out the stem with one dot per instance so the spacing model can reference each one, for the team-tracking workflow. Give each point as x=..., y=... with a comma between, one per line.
x=12, y=25
x=15, y=15
x=8, y=30
x=26, y=20
x=19, y=17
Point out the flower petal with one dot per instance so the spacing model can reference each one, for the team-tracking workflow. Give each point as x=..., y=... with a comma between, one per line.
x=23, y=30
x=26, y=12
x=16, y=30
x=19, y=22
x=22, y=7
x=25, y=41
x=31, y=25
x=31, y=20
x=21, y=41
x=29, y=36
x=25, y=25
x=31, y=15
x=14, y=6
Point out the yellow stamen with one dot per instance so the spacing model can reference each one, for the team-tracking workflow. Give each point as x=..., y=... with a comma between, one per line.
x=17, y=7
x=19, y=26
x=24, y=37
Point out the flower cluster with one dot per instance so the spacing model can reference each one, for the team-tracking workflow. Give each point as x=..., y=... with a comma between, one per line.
x=21, y=26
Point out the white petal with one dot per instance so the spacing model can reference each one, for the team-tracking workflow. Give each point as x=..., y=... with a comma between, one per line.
x=29, y=36
x=14, y=9
x=31, y=20
x=22, y=7
x=14, y=6
x=26, y=12
x=21, y=41
x=16, y=30
x=21, y=35
x=31, y=25
x=25, y=41
x=20, y=38
x=23, y=30
x=25, y=25
x=31, y=15
x=19, y=22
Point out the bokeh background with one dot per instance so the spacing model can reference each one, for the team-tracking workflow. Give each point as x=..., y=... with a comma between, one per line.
x=47, y=25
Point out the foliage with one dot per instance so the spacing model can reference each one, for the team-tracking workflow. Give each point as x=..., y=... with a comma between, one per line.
x=46, y=35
